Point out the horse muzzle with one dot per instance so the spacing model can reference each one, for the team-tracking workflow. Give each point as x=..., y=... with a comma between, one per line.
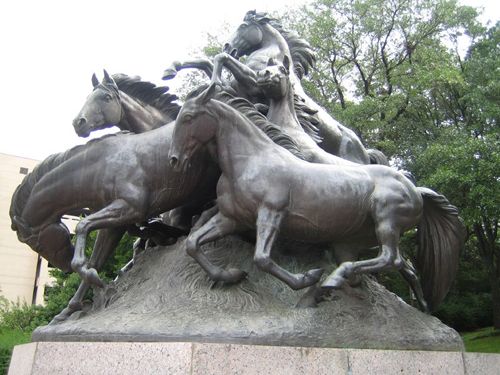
x=81, y=127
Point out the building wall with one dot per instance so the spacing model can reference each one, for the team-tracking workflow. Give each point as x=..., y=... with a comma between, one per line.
x=18, y=263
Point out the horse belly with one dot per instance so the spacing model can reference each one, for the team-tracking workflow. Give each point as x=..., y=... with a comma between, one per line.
x=333, y=207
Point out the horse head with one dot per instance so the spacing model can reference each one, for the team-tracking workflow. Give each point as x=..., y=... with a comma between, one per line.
x=195, y=127
x=274, y=79
x=248, y=36
x=102, y=109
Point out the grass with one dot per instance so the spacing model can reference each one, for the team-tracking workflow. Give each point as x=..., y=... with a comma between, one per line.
x=8, y=339
x=485, y=340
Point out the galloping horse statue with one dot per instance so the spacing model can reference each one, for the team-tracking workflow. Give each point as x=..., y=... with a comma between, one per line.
x=123, y=179
x=264, y=187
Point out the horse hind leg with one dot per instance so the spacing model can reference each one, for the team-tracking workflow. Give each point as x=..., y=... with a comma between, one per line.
x=388, y=237
x=217, y=227
x=410, y=275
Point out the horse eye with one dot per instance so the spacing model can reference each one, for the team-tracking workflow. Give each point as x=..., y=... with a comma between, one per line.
x=107, y=97
x=188, y=118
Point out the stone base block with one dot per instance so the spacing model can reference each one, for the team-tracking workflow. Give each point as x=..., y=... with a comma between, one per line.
x=205, y=358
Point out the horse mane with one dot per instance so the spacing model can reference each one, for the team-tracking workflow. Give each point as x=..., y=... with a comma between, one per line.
x=302, y=53
x=23, y=191
x=149, y=93
x=248, y=110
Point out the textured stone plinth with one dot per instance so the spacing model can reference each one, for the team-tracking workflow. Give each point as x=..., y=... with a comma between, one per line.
x=166, y=296
x=203, y=359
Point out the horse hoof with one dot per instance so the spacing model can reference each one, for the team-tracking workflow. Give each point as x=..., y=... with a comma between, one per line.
x=169, y=73
x=236, y=275
x=62, y=316
x=333, y=283
x=311, y=277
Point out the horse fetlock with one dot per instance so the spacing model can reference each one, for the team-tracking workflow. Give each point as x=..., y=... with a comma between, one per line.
x=191, y=246
x=91, y=276
x=263, y=262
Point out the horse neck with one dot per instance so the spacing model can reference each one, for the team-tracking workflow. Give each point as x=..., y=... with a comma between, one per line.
x=238, y=140
x=282, y=110
x=138, y=117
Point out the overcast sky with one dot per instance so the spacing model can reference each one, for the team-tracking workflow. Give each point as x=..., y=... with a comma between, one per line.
x=49, y=50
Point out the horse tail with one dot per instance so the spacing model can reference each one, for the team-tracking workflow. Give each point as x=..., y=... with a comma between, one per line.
x=377, y=157
x=440, y=238
x=52, y=241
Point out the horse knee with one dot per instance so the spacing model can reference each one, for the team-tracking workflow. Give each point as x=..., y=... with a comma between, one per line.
x=76, y=264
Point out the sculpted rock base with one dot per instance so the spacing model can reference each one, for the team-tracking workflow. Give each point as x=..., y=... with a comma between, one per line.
x=166, y=296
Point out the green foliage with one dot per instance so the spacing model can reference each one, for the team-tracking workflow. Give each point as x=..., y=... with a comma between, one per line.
x=392, y=71
x=20, y=316
x=486, y=340
x=8, y=339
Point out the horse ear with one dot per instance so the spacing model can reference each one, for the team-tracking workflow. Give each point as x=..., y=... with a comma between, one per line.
x=95, y=81
x=108, y=79
x=206, y=95
x=286, y=63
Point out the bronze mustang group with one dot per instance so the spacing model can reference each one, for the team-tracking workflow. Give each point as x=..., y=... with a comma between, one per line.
x=275, y=162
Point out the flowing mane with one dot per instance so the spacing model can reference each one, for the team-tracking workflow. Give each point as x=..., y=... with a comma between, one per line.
x=23, y=191
x=149, y=93
x=247, y=109
x=303, y=56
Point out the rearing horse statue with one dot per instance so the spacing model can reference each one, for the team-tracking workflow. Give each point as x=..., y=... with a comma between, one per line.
x=261, y=38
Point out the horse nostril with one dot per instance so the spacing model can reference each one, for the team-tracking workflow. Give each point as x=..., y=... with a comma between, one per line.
x=173, y=161
x=81, y=121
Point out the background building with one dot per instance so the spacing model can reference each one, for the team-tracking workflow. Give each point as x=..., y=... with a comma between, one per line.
x=23, y=273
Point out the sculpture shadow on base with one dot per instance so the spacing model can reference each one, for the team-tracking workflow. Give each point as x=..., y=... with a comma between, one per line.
x=166, y=296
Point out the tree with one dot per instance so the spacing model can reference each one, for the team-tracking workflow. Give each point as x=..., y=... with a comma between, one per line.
x=464, y=162
x=377, y=63
x=393, y=72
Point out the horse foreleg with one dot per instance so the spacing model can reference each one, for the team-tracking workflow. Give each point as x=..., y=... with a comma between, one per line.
x=217, y=227
x=106, y=242
x=241, y=73
x=119, y=213
x=202, y=64
x=268, y=224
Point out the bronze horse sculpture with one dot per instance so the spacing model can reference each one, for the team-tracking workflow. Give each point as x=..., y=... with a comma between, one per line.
x=123, y=179
x=264, y=187
x=275, y=84
x=127, y=103
x=261, y=38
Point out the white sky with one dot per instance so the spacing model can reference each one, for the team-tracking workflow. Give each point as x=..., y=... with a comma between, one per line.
x=49, y=50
